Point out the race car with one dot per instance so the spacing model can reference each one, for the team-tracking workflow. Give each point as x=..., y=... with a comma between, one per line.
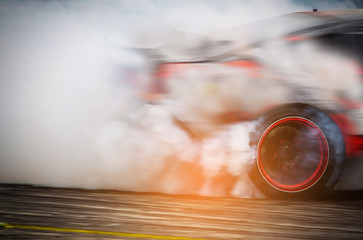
x=297, y=76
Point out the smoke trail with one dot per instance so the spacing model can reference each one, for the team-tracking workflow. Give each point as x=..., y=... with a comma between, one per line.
x=70, y=118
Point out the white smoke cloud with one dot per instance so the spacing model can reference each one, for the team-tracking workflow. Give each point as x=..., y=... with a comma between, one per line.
x=68, y=121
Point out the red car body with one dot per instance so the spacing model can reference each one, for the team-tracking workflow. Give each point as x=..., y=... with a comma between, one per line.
x=344, y=172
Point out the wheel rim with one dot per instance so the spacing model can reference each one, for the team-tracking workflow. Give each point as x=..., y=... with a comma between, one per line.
x=292, y=154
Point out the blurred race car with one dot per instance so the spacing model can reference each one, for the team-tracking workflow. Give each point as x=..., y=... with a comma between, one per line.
x=297, y=76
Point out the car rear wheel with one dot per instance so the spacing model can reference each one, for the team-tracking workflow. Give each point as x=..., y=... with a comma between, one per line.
x=299, y=152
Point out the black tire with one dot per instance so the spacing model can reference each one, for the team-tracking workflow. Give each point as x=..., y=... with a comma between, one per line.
x=299, y=152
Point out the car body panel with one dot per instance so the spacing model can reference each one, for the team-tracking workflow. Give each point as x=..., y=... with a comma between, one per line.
x=345, y=111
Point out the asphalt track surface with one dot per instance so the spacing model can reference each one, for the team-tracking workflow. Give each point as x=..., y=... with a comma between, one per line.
x=29, y=212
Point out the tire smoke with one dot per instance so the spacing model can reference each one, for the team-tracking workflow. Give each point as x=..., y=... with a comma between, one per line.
x=71, y=118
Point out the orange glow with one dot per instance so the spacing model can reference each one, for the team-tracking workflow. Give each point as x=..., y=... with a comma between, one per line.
x=296, y=38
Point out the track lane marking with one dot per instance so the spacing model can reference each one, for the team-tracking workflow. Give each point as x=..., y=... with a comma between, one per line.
x=85, y=231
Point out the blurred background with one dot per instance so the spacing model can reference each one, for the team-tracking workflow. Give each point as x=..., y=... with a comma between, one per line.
x=71, y=115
